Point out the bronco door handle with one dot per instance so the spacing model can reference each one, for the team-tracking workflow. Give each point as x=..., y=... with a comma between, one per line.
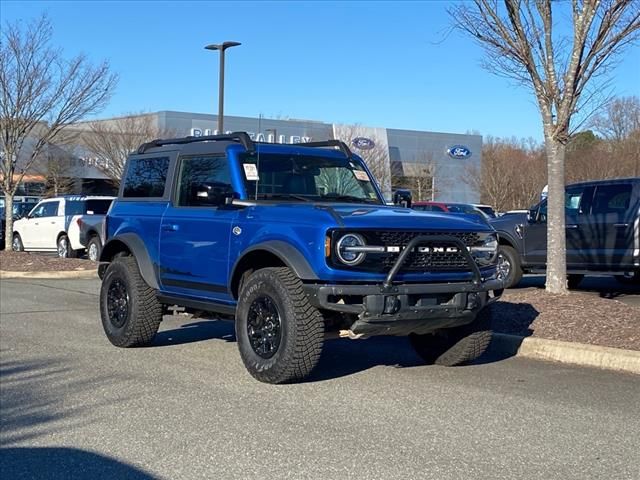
x=621, y=225
x=169, y=227
x=572, y=226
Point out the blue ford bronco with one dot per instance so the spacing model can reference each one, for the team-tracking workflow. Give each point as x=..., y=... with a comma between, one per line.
x=295, y=244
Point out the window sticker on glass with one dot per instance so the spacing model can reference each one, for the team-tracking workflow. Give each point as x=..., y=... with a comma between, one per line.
x=361, y=175
x=250, y=171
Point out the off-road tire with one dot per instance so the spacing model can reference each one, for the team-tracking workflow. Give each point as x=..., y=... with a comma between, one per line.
x=94, y=242
x=144, y=312
x=16, y=243
x=301, y=327
x=574, y=280
x=455, y=346
x=513, y=258
x=69, y=252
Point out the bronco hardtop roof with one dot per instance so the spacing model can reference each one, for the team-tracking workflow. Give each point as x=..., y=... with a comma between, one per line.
x=220, y=142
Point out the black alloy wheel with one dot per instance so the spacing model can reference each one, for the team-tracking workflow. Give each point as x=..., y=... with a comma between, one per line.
x=264, y=327
x=117, y=303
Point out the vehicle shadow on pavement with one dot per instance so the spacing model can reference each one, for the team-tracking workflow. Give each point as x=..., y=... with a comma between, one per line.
x=199, y=331
x=510, y=318
x=64, y=463
x=343, y=357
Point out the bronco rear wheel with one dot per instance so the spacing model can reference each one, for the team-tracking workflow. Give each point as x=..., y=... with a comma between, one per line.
x=454, y=346
x=130, y=311
x=280, y=334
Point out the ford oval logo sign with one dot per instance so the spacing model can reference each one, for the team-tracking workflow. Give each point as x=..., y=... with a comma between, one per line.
x=362, y=143
x=459, y=151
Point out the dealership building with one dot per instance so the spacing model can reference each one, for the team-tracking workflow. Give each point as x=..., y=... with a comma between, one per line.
x=450, y=159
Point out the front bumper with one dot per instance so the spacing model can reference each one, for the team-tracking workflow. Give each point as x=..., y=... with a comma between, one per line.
x=399, y=309
x=410, y=308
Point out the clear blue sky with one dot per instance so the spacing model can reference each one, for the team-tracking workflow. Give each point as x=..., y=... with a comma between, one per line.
x=386, y=64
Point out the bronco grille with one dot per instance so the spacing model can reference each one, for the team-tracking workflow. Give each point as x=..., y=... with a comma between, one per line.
x=417, y=261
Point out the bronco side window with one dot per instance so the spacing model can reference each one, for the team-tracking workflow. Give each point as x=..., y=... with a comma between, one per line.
x=203, y=181
x=146, y=177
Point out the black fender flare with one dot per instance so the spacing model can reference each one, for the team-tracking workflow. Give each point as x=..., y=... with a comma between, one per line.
x=287, y=253
x=517, y=244
x=134, y=244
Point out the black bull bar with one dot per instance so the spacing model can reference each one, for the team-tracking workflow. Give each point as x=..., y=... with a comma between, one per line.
x=387, y=308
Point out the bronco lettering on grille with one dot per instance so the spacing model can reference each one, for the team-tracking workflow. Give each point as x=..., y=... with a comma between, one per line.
x=394, y=249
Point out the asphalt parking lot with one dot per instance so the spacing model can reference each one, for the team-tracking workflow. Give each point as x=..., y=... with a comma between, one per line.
x=73, y=406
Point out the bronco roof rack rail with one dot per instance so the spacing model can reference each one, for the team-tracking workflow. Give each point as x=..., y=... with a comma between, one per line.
x=241, y=137
x=329, y=143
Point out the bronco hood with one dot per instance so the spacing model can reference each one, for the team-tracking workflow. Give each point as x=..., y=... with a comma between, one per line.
x=363, y=216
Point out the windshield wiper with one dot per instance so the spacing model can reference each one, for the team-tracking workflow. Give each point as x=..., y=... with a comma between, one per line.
x=269, y=196
x=348, y=198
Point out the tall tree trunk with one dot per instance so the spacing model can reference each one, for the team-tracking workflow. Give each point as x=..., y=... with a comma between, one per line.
x=556, y=234
x=8, y=216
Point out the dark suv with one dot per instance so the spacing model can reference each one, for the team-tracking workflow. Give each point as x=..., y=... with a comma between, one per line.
x=603, y=233
x=290, y=241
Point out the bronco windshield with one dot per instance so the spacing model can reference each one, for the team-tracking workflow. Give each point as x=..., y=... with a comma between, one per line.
x=307, y=178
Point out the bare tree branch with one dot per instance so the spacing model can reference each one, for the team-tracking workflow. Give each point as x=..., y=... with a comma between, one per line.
x=41, y=94
x=111, y=141
x=519, y=43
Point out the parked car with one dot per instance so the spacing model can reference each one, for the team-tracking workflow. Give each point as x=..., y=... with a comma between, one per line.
x=290, y=241
x=487, y=209
x=21, y=207
x=513, y=212
x=53, y=225
x=91, y=237
x=450, y=207
x=602, y=227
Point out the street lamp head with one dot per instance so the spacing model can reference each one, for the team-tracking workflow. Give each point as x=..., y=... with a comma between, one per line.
x=222, y=46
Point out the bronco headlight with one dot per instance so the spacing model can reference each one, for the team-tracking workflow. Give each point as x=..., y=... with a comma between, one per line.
x=486, y=254
x=349, y=249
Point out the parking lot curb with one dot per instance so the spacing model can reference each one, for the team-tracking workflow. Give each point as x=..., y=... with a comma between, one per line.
x=50, y=275
x=594, y=356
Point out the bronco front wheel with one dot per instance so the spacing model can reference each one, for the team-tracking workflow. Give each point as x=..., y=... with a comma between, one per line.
x=455, y=346
x=279, y=333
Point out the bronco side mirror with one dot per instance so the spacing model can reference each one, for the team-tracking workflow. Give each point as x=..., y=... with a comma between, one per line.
x=402, y=198
x=532, y=215
x=210, y=194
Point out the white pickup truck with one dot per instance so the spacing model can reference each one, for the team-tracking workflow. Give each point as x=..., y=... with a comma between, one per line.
x=53, y=225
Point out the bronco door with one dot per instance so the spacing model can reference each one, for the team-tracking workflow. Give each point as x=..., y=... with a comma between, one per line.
x=195, y=229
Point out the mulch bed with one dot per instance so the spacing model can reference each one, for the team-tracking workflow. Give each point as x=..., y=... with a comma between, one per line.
x=37, y=262
x=576, y=317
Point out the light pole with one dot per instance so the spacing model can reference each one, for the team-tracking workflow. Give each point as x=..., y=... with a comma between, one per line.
x=222, y=47
x=275, y=134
